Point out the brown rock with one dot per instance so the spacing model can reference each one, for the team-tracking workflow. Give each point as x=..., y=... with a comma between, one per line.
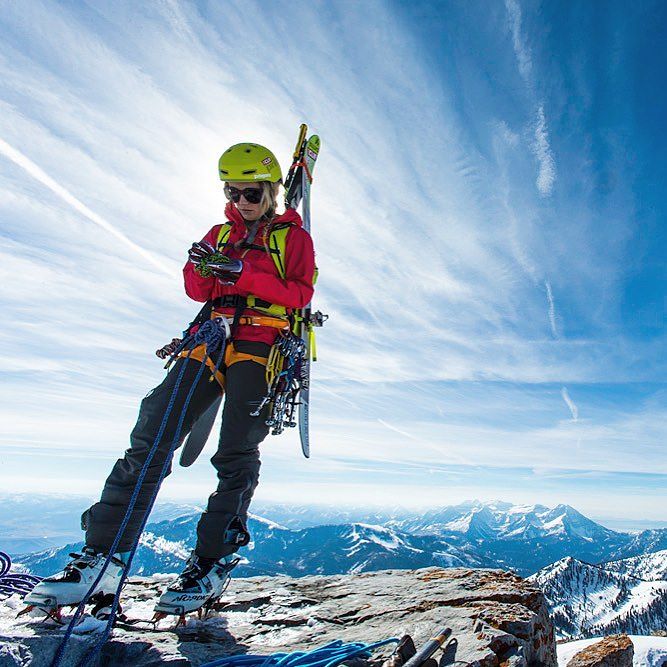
x=496, y=619
x=612, y=651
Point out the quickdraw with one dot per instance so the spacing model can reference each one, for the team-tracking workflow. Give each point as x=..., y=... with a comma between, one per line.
x=284, y=378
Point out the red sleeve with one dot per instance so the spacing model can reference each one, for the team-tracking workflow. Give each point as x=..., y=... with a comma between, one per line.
x=296, y=289
x=197, y=287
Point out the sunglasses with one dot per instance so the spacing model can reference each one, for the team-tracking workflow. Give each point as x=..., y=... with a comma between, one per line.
x=252, y=195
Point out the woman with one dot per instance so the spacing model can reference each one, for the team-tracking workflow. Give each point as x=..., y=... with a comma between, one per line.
x=268, y=273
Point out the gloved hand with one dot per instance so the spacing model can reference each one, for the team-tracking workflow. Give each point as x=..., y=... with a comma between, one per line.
x=211, y=263
x=199, y=251
x=227, y=271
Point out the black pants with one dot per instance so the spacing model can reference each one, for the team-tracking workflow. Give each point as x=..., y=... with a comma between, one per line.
x=222, y=527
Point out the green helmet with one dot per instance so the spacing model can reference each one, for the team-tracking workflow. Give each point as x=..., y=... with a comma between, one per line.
x=249, y=162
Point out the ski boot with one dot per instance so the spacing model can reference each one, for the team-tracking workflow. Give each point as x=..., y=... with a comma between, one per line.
x=68, y=588
x=198, y=587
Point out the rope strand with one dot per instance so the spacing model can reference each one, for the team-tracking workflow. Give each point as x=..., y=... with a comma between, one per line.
x=213, y=335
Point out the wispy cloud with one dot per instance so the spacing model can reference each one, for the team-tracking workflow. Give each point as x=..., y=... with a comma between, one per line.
x=552, y=309
x=521, y=49
x=435, y=247
x=540, y=145
x=547, y=171
x=574, y=410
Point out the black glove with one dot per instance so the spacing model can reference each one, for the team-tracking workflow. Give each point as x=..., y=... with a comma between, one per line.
x=199, y=251
x=227, y=272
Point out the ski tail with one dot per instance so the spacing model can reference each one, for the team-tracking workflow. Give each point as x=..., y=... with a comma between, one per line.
x=201, y=430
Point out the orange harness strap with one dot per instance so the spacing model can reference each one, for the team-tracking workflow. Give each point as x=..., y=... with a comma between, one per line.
x=231, y=357
x=257, y=320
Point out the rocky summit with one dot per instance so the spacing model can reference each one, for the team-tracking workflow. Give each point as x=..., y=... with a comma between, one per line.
x=496, y=618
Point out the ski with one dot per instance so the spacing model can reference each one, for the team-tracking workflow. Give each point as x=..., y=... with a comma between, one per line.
x=198, y=437
x=311, y=151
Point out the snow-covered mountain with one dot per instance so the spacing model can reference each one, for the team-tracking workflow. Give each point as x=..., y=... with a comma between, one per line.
x=521, y=537
x=499, y=520
x=650, y=566
x=588, y=600
x=334, y=549
x=647, y=541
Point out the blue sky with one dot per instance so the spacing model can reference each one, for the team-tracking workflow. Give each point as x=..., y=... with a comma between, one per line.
x=488, y=219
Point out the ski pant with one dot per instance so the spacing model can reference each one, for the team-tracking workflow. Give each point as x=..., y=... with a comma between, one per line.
x=222, y=527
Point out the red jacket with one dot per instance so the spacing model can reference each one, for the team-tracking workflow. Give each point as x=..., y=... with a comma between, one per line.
x=260, y=276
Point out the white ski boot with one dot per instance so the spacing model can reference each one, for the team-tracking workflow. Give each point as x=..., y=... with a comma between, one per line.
x=198, y=587
x=68, y=588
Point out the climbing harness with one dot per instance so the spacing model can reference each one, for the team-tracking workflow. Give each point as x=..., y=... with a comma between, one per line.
x=213, y=334
x=13, y=582
x=333, y=654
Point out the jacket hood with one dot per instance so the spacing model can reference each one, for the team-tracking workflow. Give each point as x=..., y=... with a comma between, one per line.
x=290, y=215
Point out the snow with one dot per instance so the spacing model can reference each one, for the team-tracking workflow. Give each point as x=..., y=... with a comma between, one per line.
x=89, y=625
x=363, y=533
x=649, y=651
x=641, y=596
x=267, y=522
x=651, y=566
x=506, y=521
x=595, y=595
x=555, y=526
x=135, y=605
x=161, y=545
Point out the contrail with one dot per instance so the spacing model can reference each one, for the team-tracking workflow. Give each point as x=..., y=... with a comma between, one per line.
x=397, y=430
x=25, y=163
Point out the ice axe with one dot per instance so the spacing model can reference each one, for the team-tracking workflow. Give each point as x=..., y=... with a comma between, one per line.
x=406, y=655
x=428, y=649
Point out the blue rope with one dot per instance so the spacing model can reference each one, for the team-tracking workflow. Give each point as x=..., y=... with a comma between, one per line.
x=11, y=584
x=330, y=655
x=89, y=659
x=209, y=335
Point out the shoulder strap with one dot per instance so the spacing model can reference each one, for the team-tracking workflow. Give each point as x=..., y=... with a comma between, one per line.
x=223, y=234
x=277, y=243
x=277, y=246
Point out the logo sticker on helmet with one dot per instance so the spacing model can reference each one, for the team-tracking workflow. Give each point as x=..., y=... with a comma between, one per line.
x=266, y=161
x=258, y=176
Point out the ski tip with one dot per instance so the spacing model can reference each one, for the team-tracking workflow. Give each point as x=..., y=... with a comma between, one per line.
x=313, y=144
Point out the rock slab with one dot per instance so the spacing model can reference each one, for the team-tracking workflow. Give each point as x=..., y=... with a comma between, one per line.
x=497, y=620
x=612, y=651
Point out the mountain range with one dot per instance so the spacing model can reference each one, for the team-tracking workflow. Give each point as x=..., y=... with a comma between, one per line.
x=522, y=538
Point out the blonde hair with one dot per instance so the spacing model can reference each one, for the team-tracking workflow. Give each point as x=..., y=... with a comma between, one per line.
x=268, y=204
x=269, y=200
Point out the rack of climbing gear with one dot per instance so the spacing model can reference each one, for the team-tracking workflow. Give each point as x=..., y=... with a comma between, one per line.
x=284, y=379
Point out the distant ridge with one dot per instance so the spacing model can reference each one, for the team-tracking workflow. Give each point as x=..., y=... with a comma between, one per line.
x=523, y=538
